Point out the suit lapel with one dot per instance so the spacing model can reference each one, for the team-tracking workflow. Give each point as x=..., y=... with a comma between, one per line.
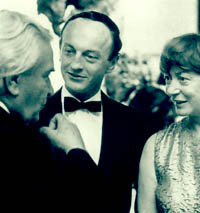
x=109, y=135
x=3, y=113
x=53, y=106
x=56, y=102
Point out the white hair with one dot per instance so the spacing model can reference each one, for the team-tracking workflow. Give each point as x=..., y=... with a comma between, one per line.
x=19, y=42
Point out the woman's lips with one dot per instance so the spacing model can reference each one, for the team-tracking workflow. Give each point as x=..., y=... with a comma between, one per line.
x=179, y=102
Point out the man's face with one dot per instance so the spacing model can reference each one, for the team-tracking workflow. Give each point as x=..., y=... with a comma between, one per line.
x=35, y=86
x=85, y=49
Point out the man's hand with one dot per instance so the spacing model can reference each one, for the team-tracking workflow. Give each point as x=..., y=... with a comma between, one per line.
x=63, y=133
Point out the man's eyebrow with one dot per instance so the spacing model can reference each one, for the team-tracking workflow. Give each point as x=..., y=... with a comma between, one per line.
x=67, y=45
x=92, y=51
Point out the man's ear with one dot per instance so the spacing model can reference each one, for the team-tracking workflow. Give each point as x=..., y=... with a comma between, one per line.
x=60, y=51
x=12, y=84
x=112, y=64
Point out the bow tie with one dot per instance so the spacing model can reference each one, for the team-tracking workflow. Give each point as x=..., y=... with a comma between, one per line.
x=71, y=104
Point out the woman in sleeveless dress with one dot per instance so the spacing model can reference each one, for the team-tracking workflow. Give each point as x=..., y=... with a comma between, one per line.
x=169, y=177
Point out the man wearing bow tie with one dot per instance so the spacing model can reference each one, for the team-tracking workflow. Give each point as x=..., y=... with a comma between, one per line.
x=90, y=44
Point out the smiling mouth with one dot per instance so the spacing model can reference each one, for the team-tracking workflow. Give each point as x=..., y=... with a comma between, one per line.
x=75, y=75
x=179, y=102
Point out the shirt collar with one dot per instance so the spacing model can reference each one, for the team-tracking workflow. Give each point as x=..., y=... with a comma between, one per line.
x=66, y=93
x=2, y=105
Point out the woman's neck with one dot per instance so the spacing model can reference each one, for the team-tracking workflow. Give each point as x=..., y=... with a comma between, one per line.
x=194, y=124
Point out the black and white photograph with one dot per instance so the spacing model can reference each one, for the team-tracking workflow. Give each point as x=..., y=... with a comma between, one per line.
x=100, y=106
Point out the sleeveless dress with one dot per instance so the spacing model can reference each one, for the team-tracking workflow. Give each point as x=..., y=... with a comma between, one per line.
x=177, y=167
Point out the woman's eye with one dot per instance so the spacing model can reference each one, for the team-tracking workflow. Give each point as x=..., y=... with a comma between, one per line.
x=183, y=79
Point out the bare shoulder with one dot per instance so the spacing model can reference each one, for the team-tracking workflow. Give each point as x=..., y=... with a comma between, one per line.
x=147, y=178
x=148, y=151
x=147, y=168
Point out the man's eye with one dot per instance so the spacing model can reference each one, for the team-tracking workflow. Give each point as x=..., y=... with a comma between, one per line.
x=69, y=52
x=91, y=58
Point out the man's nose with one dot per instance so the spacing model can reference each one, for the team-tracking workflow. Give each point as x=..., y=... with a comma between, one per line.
x=77, y=62
x=50, y=89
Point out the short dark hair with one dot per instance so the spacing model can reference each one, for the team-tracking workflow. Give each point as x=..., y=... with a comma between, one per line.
x=100, y=17
x=81, y=5
x=182, y=51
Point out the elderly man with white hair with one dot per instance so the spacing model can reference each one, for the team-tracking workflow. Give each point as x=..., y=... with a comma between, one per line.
x=31, y=164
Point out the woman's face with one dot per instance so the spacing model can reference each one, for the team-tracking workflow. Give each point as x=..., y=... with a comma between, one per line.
x=184, y=90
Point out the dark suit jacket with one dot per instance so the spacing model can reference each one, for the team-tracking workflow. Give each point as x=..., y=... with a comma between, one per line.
x=32, y=170
x=124, y=133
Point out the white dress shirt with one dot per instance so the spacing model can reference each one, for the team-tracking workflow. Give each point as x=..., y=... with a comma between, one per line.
x=89, y=124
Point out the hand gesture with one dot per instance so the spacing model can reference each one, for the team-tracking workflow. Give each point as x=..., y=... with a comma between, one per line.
x=63, y=134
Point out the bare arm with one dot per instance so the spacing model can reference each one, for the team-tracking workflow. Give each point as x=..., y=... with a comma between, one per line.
x=147, y=179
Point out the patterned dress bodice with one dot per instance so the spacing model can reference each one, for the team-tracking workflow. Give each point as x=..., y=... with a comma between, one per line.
x=177, y=166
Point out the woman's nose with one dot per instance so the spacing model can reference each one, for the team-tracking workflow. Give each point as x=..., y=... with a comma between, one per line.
x=173, y=88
